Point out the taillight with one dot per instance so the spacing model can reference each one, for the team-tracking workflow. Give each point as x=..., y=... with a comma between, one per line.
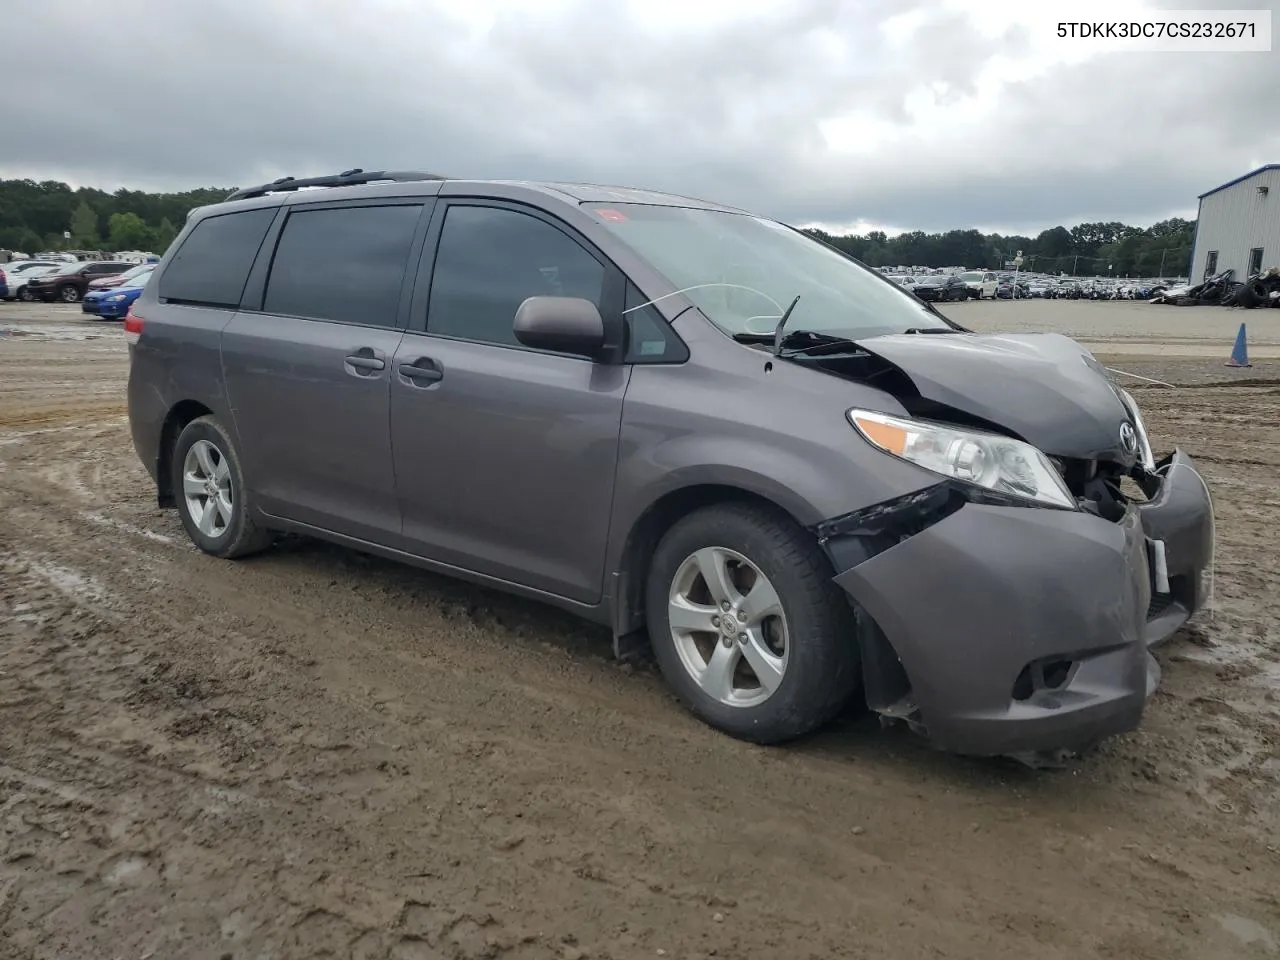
x=132, y=326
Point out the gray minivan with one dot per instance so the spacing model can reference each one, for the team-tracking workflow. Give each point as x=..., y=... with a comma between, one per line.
x=789, y=477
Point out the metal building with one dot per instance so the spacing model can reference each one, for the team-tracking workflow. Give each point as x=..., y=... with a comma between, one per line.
x=1238, y=226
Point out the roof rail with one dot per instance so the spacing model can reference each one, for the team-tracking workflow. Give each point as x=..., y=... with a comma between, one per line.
x=344, y=179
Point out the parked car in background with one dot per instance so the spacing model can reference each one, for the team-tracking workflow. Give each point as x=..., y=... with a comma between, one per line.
x=121, y=279
x=18, y=282
x=71, y=283
x=113, y=303
x=981, y=284
x=17, y=272
x=1013, y=290
x=903, y=280
x=941, y=287
x=4, y=285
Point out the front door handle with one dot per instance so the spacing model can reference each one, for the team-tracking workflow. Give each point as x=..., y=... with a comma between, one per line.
x=364, y=362
x=421, y=372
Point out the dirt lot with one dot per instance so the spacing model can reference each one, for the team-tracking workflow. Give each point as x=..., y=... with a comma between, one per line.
x=313, y=753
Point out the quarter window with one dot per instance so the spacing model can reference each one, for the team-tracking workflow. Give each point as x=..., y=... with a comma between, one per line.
x=212, y=265
x=345, y=264
x=490, y=260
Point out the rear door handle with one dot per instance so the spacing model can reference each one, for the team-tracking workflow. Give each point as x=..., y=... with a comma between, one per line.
x=421, y=372
x=364, y=361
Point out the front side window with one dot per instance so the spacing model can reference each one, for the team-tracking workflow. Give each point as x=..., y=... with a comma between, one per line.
x=744, y=271
x=491, y=259
x=345, y=264
x=212, y=265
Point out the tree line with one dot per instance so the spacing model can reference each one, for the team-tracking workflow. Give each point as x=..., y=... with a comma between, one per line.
x=34, y=216
x=1089, y=249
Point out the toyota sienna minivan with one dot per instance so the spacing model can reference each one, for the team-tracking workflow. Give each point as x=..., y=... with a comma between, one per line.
x=786, y=475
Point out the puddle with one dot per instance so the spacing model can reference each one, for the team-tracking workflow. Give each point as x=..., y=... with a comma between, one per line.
x=1248, y=931
x=70, y=582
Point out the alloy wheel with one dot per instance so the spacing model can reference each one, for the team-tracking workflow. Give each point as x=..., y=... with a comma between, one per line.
x=728, y=627
x=206, y=489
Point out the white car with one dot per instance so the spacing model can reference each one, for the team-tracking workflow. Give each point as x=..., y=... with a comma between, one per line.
x=903, y=280
x=20, y=271
x=981, y=283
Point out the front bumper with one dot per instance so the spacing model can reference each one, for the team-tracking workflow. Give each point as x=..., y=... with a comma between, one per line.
x=1025, y=630
x=91, y=306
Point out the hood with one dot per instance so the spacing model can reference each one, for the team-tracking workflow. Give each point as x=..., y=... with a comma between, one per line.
x=1043, y=387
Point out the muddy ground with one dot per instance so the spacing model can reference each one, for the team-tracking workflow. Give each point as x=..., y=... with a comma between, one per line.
x=313, y=753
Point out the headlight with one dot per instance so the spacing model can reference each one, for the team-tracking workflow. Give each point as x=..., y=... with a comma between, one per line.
x=1145, y=453
x=997, y=463
x=118, y=297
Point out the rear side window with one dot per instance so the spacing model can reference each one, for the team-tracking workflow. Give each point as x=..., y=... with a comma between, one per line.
x=490, y=260
x=212, y=265
x=345, y=264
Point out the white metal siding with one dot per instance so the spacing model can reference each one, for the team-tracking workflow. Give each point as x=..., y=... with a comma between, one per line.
x=1234, y=221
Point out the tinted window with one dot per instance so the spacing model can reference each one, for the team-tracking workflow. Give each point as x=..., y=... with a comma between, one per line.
x=345, y=264
x=213, y=263
x=491, y=260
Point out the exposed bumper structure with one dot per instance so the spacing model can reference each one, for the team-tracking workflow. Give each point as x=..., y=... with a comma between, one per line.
x=1025, y=630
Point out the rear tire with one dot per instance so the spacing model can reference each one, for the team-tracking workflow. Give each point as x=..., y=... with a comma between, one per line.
x=762, y=678
x=209, y=488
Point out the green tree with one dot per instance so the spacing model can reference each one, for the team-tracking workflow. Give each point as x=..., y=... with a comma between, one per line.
x=84, y=227
x=127, y=231
x=164, y=235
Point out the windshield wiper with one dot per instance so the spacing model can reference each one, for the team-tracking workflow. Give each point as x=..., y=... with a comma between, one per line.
x=782, y=322
x=933, y=330
x=814, y=339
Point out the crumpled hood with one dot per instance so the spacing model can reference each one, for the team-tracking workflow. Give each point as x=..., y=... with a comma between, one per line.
x=1043, y=387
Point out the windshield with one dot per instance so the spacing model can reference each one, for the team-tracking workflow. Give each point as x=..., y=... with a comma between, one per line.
x=971, y=277
x=137, y=278
x=744, y=271
x=140, y=270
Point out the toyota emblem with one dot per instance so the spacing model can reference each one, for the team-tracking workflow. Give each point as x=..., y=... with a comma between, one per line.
x=1128, y=438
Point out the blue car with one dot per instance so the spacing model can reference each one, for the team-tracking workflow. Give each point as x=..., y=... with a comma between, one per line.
x=114, y=302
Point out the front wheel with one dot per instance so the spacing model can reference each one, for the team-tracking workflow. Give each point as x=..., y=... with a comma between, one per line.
x=68, y=294
x=210, y=490
x=746, y=625
x=25, y=295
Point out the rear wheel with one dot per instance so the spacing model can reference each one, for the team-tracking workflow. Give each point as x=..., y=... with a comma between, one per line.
x=25, y=295
x=209, y=487
x=746, y=625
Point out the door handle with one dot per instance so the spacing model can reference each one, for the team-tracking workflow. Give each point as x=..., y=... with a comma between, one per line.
x=364, y=361
x=421, y=372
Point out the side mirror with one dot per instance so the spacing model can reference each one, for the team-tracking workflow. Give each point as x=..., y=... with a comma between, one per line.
x=563, y=324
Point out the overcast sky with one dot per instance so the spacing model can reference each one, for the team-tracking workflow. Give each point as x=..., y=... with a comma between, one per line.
x=898, y=114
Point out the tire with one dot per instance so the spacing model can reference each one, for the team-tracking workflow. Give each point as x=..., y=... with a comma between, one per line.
x=68, y=294
x=204, y=444
x=25, y=295
x=815, y=669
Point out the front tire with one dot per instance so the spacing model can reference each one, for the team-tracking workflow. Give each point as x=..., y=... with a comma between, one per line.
x=209, y=488
x=68, y=294
x=25, y=295
x=747, y=627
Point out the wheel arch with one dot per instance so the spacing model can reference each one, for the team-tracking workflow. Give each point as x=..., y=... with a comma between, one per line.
x=664, y=511
x=175, y=421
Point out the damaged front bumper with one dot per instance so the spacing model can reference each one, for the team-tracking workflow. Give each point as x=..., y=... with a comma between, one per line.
x=1020, y=630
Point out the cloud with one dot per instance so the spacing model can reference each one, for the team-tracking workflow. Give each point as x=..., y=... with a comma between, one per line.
x=915, y=114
